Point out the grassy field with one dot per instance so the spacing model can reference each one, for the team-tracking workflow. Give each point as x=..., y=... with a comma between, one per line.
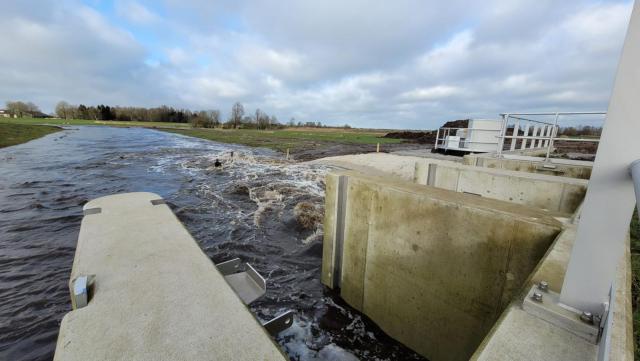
x=12, y=134
x=291, y=138
x=51, y=121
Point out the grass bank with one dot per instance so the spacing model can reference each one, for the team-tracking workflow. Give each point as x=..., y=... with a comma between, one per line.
x=291, y=138
x=13, y=134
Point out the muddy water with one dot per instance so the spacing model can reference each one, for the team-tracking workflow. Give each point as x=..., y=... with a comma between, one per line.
x=258, y=208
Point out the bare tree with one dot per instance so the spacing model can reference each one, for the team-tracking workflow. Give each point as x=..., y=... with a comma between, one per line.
x=262, y=120
x=237, y=112
x=215, y=117
x=19, y=108
x=63, y=110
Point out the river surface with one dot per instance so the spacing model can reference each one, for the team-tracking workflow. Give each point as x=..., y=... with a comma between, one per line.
x=247, y=210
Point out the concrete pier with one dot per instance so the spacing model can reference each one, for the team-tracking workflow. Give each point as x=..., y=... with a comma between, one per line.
x=156, y=295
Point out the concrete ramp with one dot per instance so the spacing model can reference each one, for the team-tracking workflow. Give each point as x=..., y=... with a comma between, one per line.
x=156, y=295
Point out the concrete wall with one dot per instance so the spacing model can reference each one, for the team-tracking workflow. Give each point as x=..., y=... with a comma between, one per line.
x=433, y=268
x=518, y=335
x=562, y=167
x=558, y=194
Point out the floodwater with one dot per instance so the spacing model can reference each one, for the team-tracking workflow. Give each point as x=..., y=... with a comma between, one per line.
x=245, y=210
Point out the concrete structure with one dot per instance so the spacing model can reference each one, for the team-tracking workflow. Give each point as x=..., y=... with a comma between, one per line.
x=481, y=135
x=155, y=294
x=557, y=194
x=433, y=268
x=519, y=335
x=532, y=164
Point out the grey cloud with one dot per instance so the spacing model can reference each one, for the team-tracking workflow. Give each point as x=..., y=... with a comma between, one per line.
x=405, y=64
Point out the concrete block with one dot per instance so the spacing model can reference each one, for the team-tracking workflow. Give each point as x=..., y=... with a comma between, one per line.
x=434, y=268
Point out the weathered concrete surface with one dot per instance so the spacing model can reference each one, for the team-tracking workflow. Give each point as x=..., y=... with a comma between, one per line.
x=520, y=336
x=556, y=194
x=399, y=166
x=433, y=268
x=157, y=296
x=563, y=167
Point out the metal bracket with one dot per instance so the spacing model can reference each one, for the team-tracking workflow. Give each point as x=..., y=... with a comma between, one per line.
x=545, y=304
x=229, y=267
x=279, y=323
x=248, y=285
x=80, y=288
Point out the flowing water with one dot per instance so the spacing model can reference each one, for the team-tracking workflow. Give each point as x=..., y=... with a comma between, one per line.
x=258, y=207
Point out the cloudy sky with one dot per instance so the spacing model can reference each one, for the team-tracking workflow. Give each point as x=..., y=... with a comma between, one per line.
x=385, y=64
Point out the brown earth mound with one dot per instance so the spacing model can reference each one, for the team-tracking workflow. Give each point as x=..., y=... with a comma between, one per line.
x=414, y=137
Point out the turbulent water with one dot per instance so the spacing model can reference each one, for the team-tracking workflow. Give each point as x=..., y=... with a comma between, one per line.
x=258, y=207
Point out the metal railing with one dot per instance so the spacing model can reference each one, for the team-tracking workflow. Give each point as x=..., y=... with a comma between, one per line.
x=543, y=133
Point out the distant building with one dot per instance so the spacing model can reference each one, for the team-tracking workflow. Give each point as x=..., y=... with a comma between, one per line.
x=4, y=113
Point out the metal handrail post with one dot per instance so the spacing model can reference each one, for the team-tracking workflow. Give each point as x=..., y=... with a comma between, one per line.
x=503, y=133
x=553, y=135
x=514, y=140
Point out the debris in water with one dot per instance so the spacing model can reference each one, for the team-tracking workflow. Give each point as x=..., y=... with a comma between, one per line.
x=307, y=215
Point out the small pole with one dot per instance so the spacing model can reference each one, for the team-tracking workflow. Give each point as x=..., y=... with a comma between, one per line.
x=287, y=153
x=378, y=148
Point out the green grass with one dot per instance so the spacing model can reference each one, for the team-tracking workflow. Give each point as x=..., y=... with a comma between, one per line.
x=93, y=122
x=12, y=134
x=287, y=138
x=635, y=283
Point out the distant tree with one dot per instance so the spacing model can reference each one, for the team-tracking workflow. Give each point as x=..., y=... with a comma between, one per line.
x=105, y=112
x=215, y=117
x=32, y=108
x=82, y=112
x=18, y=108
x=237, y=112
x=262, y=120
x=64, y=110
x=292, y=122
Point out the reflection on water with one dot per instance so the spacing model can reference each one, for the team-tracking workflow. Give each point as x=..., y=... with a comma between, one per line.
x=257, y=207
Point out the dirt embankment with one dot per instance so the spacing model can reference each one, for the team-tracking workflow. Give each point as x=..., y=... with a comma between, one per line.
x=414, y=137
x=323, y=150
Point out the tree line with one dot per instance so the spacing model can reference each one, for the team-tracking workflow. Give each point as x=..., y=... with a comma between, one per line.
x=238, y=118
x=585, y=130
x=24, y=109
x=199, y=119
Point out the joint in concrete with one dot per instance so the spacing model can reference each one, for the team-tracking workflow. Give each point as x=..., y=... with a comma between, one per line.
x=341, y=214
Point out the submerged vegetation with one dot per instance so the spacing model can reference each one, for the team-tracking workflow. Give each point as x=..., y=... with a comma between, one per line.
x=13, y=134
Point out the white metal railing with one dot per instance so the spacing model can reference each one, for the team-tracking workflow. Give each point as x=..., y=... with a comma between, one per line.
x=543, y=133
